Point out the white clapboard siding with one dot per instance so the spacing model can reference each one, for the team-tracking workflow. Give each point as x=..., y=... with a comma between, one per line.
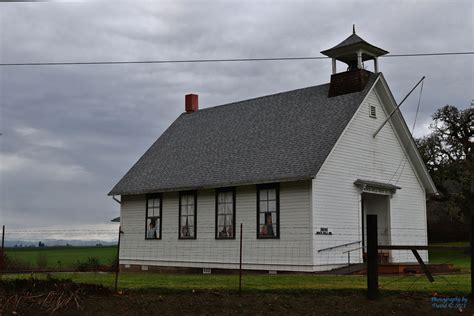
x=293, y=251
x=336, y=200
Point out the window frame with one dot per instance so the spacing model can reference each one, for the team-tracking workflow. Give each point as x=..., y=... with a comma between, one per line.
x=260, y=187
x=151, y=196
x=224, y=190
x=181, y=193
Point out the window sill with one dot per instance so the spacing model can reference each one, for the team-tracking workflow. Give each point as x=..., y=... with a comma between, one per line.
x=261, y=237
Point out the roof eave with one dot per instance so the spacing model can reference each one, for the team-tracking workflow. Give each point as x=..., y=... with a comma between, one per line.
x=343, y=50
x=376, y=184
x=210, y=186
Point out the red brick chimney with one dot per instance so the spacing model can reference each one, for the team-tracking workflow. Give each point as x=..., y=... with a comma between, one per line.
x=191, y=103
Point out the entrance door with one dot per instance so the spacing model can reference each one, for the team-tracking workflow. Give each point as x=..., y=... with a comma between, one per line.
x=376, y=204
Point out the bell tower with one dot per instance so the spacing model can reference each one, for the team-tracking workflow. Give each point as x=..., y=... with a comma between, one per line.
x=353, y=51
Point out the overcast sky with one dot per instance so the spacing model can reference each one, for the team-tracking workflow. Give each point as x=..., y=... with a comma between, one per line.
x=71, y=132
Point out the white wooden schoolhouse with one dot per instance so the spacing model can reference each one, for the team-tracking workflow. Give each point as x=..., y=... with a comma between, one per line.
x=300, y=170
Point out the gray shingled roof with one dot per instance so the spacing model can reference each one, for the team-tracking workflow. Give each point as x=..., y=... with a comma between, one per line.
x=281, y=137
x=353, y=40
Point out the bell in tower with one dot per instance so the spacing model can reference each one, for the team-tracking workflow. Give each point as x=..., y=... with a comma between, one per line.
x=353, y=51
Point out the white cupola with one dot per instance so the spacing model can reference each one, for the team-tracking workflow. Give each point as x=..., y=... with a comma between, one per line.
x=353, y=51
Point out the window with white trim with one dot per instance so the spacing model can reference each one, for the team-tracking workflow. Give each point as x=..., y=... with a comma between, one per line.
x=187, y=215
x=154, y=204
x=225, y=213
x=268, y=211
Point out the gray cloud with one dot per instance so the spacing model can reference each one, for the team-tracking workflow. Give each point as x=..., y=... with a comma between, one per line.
x=70, y=132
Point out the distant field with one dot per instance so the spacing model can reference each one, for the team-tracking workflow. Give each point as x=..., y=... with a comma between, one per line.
x=67, y=257
x=62, y=257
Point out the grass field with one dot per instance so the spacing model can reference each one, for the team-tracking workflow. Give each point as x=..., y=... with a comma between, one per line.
x=67, y=257
x=459, y=258
x=61, y=257
x=455, y=283
x=148, y=280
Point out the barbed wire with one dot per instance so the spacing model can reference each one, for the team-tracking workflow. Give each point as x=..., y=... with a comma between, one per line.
x=300, y=248
x=355, y=226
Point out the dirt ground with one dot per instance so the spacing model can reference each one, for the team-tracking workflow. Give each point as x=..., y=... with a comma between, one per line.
x=33, y=297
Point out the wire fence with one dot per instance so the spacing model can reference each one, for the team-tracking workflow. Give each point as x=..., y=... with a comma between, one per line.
x=405, y=259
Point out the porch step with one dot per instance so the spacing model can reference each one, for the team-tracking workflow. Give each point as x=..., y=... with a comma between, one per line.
x=352, y=269
x=408, y=268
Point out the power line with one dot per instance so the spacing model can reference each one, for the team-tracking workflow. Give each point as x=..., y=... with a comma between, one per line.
x=429, y=54
x=182, y=61
x=177, y=61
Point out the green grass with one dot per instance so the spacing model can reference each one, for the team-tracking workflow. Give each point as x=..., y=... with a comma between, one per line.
x=68, y=256
x=62, y=257
x=282, y=282
x=458, y=257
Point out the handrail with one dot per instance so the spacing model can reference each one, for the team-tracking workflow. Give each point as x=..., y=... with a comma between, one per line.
x=338, y=246
x=349, y=256
x=353, y=249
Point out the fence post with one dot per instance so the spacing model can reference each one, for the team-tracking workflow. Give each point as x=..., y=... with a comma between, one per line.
x=240, y=262
x=349, y=261
x=472, y=254
x=372, y=258
x=117, y=267
x=2, y=251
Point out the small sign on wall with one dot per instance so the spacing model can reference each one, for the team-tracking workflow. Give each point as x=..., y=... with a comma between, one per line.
x=324, y=231
x=375, y=190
